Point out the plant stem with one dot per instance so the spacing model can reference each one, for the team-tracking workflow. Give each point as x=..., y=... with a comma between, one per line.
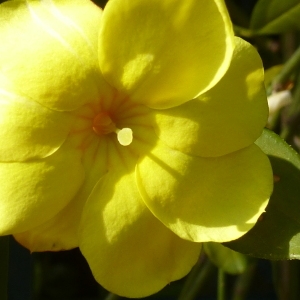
x=243, y=282
x=288, y=69
x=196, y=279
x=286, y=278
x=221, y=284
x=291, y=125
x=112, y=296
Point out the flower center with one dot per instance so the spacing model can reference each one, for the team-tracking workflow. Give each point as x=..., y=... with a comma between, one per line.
x=103, y=124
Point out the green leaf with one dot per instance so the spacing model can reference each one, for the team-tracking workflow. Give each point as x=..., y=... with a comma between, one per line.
x=226, y=259
x=277, y=233
x=275, y=16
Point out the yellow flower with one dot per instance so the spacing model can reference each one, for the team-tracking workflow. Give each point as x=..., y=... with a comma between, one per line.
x=102, y=146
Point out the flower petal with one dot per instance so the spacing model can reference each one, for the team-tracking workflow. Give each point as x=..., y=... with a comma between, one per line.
x=130, y=252
x=28, y=129
x=49, y=50
x=164, y=53
x=206, y=199
x=33, y=192
x=58, y=233
x=61, y=232
x=227, y=118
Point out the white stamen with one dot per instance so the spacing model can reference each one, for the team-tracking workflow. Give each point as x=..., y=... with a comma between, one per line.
x=124, y=136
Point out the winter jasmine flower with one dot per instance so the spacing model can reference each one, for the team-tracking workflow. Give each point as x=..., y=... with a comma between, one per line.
x=129, y=133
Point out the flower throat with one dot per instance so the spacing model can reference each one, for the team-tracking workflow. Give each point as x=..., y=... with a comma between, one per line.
x=103, y=124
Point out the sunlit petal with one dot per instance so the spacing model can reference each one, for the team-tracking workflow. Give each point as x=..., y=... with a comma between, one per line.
x=49, y=51
x=28, y=129
x=164, y=53
x=130, y=252
x=33, y=192
x=227, y=118
x=206, y=199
